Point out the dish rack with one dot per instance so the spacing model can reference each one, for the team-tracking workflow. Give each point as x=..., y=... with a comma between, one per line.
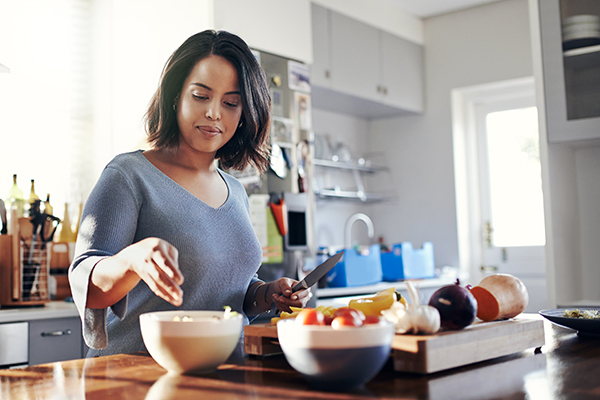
x=24, y=271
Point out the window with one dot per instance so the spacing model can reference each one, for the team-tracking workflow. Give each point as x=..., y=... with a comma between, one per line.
x=45, y=100
x=514, y=177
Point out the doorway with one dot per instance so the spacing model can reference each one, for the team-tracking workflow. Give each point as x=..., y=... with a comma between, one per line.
x=499, y=191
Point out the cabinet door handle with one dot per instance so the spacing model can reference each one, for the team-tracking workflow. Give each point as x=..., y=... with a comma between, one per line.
x=57, y=333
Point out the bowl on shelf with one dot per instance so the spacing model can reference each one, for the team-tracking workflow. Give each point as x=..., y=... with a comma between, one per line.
x=581, y=31
x=336, y=359
x=194, y=342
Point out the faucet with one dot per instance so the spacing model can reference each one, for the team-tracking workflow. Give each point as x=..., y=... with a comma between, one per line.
x=350, y=222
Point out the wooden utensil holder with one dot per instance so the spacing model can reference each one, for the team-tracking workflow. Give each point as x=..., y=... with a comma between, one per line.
x=24, y=271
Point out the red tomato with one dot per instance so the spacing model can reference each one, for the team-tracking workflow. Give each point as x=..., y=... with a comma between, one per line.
x=328, y=320
x=310, y=316
x=372, y=319
x=346, y=321
x=349, y=311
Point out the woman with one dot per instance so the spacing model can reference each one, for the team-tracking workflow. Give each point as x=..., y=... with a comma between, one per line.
x=159, y=216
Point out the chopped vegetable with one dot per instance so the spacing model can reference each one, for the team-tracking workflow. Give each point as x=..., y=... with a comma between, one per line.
x=500, y=296
x=310, y=316
x=228, y=313
x=185, y=318
x=582, y=314
x=376, y=304
x=327, y=312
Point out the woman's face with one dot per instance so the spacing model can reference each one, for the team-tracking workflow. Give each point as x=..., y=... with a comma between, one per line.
x=210, y=105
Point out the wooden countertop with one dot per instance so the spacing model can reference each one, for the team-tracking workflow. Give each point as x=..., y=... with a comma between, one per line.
x=567, y=367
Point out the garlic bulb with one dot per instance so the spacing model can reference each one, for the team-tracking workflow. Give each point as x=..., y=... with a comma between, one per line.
x=414, y=318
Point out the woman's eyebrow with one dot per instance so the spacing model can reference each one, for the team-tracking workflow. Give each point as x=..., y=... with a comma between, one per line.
x=209, y=88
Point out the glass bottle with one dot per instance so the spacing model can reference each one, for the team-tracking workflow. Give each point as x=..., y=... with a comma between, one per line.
x=66, y=232
x=15, y=198
x=32, y=195
x=48, y=209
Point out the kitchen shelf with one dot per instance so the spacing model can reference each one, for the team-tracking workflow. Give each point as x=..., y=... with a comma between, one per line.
x=348, y=165
x=355, y=194
x=352, y=195
x=583, y=57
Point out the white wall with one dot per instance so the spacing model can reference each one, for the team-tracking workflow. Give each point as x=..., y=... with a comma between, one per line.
x=132, y=42
x=331, y=215
x=483, y=44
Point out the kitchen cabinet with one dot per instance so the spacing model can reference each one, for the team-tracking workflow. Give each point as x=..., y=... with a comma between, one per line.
x=355, y=57
x=52, y=340
x=569, y=154
x=361, y=70
x=402, y=73
x=13, y=344
x=36, y=335
x=571, y=76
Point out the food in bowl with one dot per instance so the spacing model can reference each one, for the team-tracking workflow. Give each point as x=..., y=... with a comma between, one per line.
x=336, y=359
x=582, y=314
x=191, y=341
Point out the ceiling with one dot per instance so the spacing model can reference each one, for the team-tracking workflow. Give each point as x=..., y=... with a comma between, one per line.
x=430, y=8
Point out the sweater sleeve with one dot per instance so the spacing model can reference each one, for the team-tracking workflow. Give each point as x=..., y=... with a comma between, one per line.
x=108, y=225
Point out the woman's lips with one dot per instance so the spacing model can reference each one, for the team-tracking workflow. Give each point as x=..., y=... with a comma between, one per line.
x=209, y=130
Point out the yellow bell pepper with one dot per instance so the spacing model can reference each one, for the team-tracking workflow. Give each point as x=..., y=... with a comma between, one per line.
x=374, y=305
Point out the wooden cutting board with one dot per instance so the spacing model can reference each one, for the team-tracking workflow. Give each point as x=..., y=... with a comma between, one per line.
x=426, y=354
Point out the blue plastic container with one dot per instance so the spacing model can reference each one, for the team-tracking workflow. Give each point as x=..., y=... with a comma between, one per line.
x=356, y=269
x=406, y=262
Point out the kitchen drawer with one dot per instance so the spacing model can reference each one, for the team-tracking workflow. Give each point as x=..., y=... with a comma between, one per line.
x=13, y=344
x=53, y=340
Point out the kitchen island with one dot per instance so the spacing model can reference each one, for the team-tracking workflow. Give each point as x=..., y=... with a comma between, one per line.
x=567, y=367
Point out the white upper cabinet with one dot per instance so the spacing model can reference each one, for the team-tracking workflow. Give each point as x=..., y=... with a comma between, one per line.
x=402, y=73
x=364, y=71
x=355, y=57
x=571, y=64
x=321, y=67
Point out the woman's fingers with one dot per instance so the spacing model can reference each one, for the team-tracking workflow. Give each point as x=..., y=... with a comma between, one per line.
x=166, y=293
x=166, y=274
x=285, y=298
x=160, y=269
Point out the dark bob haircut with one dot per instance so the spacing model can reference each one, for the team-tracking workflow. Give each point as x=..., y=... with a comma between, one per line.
x=250, y=143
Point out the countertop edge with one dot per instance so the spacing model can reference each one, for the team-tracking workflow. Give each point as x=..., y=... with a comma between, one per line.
x=51, y=310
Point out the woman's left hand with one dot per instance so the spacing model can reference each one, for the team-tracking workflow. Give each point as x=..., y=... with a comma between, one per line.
x=283, y=297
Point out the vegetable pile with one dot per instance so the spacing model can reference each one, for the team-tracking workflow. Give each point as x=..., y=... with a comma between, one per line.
x=452, y=307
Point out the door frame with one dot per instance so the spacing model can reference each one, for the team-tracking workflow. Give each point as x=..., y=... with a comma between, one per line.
x=466, y=164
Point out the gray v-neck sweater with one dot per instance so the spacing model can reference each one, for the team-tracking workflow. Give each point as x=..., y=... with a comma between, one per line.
x=219, y=253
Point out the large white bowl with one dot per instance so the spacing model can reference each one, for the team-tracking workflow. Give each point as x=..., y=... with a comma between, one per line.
x=336, y=359
x=199, y=345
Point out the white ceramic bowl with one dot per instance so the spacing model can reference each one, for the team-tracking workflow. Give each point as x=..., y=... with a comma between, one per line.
x=333, y=359
x=190, y=341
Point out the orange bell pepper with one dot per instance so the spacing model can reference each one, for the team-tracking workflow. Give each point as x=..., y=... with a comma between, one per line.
x=374, y=305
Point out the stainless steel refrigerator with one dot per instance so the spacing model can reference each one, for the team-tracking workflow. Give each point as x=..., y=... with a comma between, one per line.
x=291, y=174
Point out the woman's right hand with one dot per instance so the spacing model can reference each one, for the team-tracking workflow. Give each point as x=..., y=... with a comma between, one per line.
x=155, y=261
